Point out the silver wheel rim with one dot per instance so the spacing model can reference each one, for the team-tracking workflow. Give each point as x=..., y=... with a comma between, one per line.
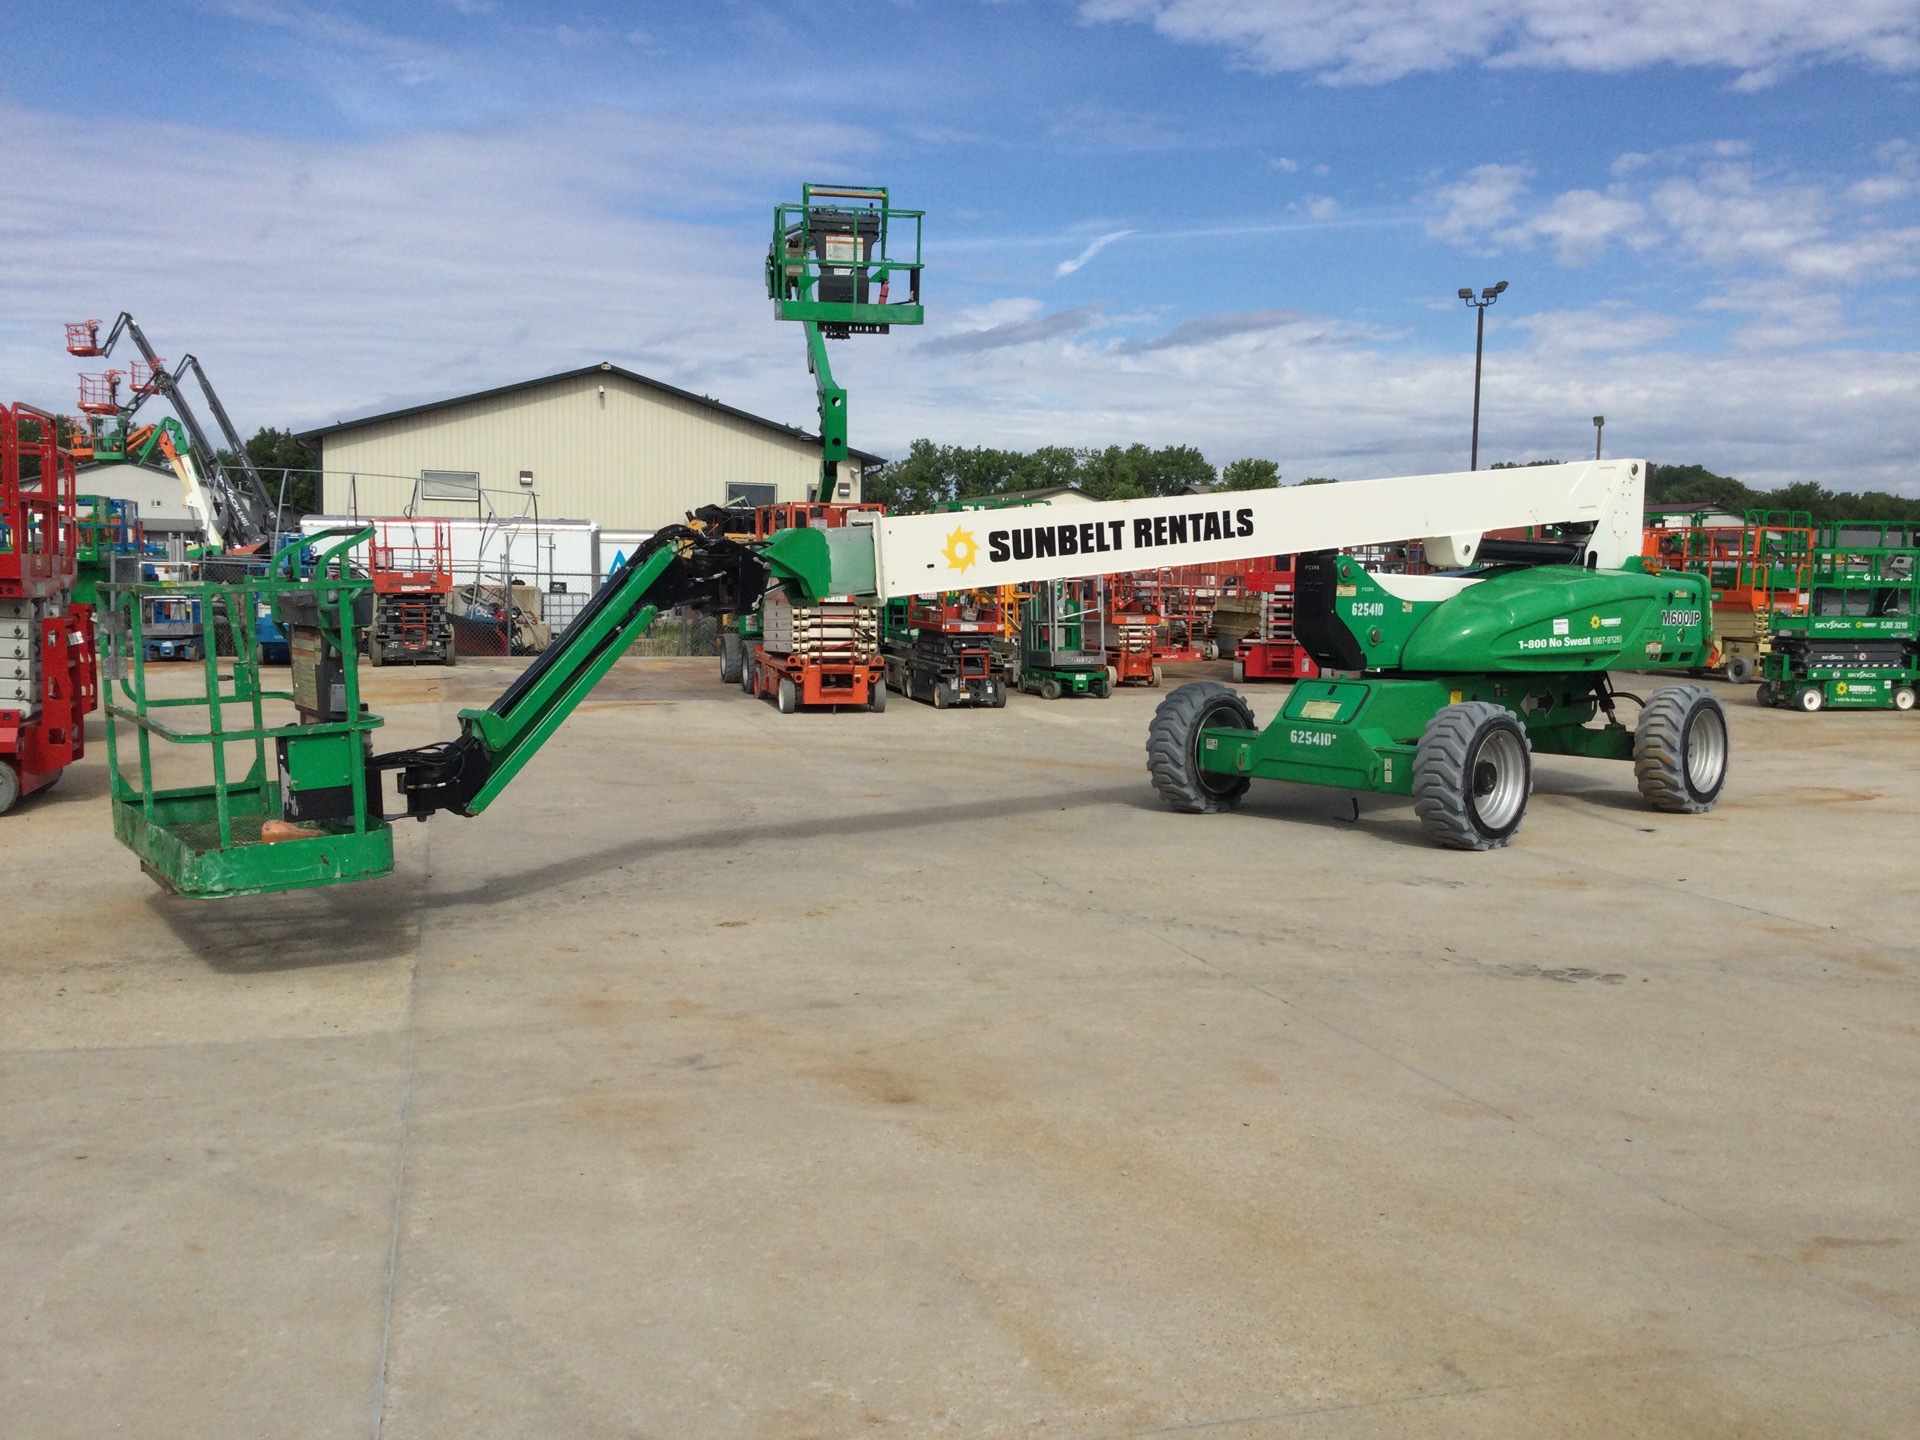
x=1497, y=779
x=1212, y=783
x=1706, y=750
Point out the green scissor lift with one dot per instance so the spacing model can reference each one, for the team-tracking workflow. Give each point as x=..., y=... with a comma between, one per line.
x=1857, y=646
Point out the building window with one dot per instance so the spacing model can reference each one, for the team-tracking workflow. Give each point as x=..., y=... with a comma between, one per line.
x=756, y=495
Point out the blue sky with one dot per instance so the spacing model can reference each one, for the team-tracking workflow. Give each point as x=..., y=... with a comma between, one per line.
x=1219, y=222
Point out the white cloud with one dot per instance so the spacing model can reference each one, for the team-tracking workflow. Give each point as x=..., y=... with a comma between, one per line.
x=1371, y=41
x=1473, y=207
x=1322, y=207
x=1721, y=213
x=1599, y=327
x=1728, y=217
x=1580, y=223
x=1067, y=267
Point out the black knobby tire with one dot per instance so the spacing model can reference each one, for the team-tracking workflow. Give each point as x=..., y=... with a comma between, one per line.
x=1173, y=747
x=9, y=786
x=1472, y=774
x=732, y=657
x=1680, y=750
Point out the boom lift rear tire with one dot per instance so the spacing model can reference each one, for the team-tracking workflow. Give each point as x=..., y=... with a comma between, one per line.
x=1173, y=747
x=1680, y=750
x=1472, y=774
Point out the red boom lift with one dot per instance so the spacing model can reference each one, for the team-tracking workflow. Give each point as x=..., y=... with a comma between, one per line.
x=48, y=682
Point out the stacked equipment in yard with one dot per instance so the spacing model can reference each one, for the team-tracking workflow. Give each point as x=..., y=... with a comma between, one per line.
x=48, y=676
x=1275, y=653
x=824, y=654
x=740, y=635
x=1856, y=645
x=411, y=564
x=1758, y=570
x=942, y=651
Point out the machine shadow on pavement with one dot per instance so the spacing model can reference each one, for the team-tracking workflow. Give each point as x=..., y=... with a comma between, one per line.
x=520, y=884
x=301, y=930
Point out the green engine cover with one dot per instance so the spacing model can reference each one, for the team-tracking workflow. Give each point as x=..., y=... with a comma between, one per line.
x=1542, y=618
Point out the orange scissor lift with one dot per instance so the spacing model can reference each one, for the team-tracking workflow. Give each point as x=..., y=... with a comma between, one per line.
x=1756, y=570
x=411, y=565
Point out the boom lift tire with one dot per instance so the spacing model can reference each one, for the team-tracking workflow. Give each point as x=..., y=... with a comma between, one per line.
x=1173, y=747
x=9, y=786
x=732, y=658
x=788, y=699
x=1472, y=774
x=1680, y=750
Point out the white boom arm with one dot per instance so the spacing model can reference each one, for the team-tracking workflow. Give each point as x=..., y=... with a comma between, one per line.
x=920, y=554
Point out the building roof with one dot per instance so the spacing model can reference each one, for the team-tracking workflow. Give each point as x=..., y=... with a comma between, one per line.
x=605, y=367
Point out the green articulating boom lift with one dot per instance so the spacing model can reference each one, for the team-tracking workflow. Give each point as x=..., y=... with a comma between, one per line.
x=1444, y=686
x=302, y=806
x=832, y=266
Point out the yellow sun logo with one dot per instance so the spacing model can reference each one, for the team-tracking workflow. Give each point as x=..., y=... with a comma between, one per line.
x=1593, y=623
x=962, y=550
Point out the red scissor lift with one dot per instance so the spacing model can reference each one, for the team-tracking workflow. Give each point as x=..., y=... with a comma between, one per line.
x=48, y=681
x=1275, y=653
x=411, y=565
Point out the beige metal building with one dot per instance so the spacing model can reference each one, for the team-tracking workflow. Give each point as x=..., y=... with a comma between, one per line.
x=600, y=443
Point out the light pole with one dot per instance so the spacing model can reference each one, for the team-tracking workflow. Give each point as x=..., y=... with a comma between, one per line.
x=1599, y=424
x=1480, y=304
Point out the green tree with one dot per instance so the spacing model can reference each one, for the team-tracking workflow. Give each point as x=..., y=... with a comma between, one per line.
x=1249, y=475
x=285, y=465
